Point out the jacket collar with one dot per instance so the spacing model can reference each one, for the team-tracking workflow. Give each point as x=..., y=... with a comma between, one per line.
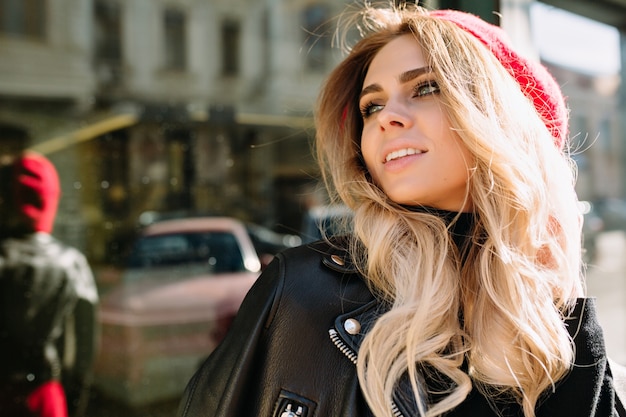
x=351, y=327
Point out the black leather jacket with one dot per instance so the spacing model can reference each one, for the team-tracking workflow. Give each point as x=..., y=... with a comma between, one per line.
x=48, y=307
x=292, y=349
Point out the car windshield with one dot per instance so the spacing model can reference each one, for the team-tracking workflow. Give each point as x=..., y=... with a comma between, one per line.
x=218, y=251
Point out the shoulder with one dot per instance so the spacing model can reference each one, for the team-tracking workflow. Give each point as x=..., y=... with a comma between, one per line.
x=587, y=389
x=46, y=256
x=64, y=257
x=322, y=265
x=39, y=244
x=75, y=266
x=330, y=256
x=316, y=279
x=584, y=328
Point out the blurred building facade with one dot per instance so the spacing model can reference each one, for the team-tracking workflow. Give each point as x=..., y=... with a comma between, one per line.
x=150, y=105
x=205, y=106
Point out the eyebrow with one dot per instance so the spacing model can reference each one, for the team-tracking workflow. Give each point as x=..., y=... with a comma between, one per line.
x=405, y=77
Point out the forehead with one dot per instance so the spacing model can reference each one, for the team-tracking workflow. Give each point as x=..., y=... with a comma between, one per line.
x=398, y=56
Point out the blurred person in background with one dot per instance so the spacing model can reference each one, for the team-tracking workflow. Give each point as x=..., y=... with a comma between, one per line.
x=48, y=299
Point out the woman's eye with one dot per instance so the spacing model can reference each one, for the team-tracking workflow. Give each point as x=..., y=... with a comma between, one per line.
x=426, y=88
x=370, y=108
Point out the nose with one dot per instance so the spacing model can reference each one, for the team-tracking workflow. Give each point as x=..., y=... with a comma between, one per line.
x=394, y=115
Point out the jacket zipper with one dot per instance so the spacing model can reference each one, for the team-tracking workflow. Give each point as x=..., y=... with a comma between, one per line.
x=334, y=336
x=350, y=354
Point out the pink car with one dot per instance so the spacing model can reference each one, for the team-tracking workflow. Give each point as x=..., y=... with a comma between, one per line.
x=185, y=281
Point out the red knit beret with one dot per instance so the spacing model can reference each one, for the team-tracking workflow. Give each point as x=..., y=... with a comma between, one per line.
x=534, y=79
x=36, y=191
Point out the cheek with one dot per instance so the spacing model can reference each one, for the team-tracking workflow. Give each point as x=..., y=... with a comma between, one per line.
x=368, y=152
x=467, y=157
x=465, y=165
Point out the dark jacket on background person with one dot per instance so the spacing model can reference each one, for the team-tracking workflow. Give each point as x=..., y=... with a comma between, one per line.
x=47, y=314
x=48, y=298
x=292, y=350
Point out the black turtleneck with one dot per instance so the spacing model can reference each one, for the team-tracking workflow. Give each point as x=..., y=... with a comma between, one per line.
x=461, y=225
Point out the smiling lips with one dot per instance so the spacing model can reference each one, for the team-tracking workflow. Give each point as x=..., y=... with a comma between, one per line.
x=400, y=153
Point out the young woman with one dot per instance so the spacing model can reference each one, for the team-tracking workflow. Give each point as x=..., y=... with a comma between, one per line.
x=459, y=291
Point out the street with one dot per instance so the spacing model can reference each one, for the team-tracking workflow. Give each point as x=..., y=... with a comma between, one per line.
x=606, y=280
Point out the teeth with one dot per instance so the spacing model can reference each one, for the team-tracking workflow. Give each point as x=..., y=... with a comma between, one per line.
x=400, y=153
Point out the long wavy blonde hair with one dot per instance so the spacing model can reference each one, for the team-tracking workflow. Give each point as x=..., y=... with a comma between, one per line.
x=495, y=320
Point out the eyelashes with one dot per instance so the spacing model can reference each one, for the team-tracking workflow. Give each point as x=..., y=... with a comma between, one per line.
x=426, y=88
x=369, y=109
x=422, y=89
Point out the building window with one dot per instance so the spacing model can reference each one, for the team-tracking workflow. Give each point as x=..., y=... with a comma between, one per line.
x=23, y=18
x=108, y=41
x=108, y=32
x=230, y=47
x=174, y=21
x=316, y=41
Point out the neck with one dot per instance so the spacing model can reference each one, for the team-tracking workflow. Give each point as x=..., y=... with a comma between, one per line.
x=461, y=223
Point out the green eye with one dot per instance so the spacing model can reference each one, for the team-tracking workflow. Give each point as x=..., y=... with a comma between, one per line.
x=370, y=108
x=426, y=88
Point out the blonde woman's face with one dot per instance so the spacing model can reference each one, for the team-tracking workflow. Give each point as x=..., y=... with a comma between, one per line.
x=407, y=143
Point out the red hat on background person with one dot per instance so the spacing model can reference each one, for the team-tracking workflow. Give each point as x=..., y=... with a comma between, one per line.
x=36, y=192
x=537, y=84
